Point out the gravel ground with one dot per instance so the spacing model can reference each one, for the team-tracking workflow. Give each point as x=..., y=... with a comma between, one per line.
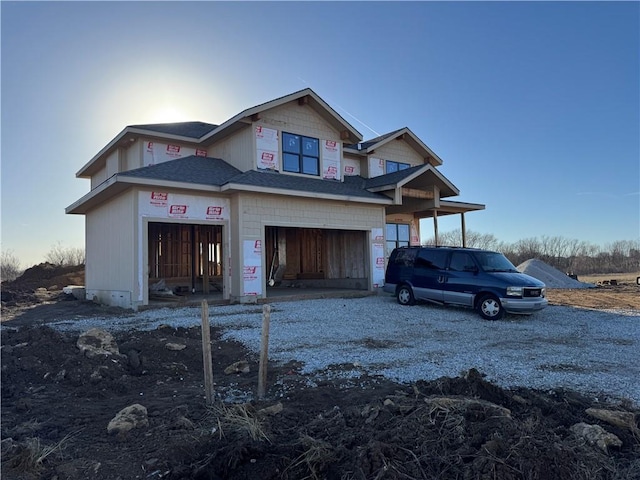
x=591, y=351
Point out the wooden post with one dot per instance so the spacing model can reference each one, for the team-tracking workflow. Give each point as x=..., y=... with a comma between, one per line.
x=464, y=230
x=264, y=351
x=435, y=226
x=206, y=353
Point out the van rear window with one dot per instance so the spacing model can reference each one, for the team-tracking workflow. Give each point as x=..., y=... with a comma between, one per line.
x=435, y=259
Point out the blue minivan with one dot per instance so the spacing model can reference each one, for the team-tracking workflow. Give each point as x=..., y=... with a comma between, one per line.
x=481, y=279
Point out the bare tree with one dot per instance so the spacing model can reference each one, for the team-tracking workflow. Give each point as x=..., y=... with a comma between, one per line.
x=65, y=256
x=453, y=238
x=567, y=255
x=9, y=266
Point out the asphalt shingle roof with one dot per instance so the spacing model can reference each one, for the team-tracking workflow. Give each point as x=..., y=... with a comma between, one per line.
x=351, y=187
x=192, y=169
x=215, y=171
x=366, y=144
x=183, y=129
x=391, y=178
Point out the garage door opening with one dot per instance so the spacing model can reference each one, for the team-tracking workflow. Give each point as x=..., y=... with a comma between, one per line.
x=316, y=258
x=186, y=258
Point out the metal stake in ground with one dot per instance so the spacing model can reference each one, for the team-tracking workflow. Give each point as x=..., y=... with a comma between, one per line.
x=264, y=351
x=206, y=353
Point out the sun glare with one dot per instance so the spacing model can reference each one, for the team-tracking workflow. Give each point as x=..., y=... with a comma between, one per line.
x=168, y=114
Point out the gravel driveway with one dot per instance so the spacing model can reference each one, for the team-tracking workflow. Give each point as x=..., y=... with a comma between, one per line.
x=592, y=351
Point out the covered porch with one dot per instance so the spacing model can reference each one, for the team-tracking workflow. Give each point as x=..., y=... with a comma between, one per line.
x=420, y=193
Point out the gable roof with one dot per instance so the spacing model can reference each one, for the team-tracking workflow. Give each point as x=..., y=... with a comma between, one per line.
x=182, y=129
x=201, y=133
x=303, y=97
x=417, y=177
x=379, y=140
x=369, y=146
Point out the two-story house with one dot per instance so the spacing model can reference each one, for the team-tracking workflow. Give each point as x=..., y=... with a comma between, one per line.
x=283, y=193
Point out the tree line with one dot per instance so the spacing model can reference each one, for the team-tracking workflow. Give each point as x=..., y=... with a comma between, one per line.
x=567, y=255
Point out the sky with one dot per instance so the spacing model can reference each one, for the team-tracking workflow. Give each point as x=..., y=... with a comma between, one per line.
x=534, y=107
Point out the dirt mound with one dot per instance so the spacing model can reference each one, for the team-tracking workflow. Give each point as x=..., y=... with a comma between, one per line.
x=49, y=276
x=59, y=401
x=552, y=277
x=23, y=290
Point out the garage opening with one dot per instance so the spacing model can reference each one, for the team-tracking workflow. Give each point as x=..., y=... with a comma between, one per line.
x=186, y=258
x=315, y=257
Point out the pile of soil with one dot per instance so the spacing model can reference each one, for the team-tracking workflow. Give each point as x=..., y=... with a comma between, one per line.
x=57, y=403
x=32, y=286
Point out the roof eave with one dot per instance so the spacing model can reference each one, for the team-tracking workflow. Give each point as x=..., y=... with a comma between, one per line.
x=119, y=183
x=452, y=189
x=124, y=139
x=239, y=187
x=86, y=171
x=466, y=206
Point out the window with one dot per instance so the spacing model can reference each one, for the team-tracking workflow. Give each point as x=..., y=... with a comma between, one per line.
x=300, y=154
x=397, y=236
x=391, y=167
x=405, y=258
x=432, y=258
x=461, y=262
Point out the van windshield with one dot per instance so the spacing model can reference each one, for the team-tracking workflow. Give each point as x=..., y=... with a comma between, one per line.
x=494, y=262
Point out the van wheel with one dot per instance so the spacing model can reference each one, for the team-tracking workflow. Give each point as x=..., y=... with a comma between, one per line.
x=490, y=308
x=405, y=295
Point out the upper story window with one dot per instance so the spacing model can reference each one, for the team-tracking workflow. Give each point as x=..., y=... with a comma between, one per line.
x=391, y=167
x=300, y=154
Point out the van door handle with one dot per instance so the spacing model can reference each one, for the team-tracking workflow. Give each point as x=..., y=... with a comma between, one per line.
x=442, y=279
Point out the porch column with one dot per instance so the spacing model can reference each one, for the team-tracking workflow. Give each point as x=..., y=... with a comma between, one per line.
x=464, y=231
x=435, y=226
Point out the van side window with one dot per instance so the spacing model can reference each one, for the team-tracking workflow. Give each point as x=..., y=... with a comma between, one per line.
x=461, y=262
x=404, y=257
x=433, y=259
